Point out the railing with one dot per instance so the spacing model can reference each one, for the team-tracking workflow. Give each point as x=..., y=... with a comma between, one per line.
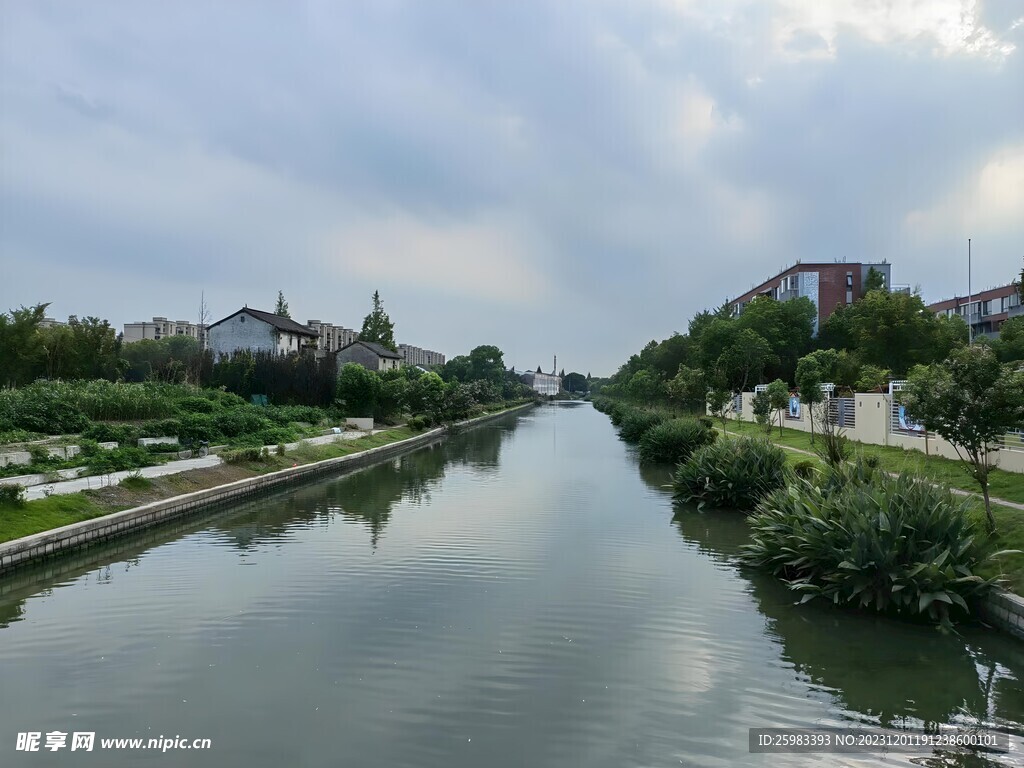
x=842, y=412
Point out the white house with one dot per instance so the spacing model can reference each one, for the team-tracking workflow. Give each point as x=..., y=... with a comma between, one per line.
x=256, y=331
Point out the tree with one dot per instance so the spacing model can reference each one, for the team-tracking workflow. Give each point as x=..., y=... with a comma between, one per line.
x=20, y=345
x=761, y=403
x=281, y=308
x=808, y=383
x=425, y=395
x=744, y=360
x=645, y=385
x=486, y=363
x=575, y=382
x=872, y=378
x=1009, y=347
x=875, y=280
x=778, y=398
x=718, y=400
x=689, y=385
x=377, y=326
x=894, y=331
x=456, y=369
x=972, y=401
x=358, y=390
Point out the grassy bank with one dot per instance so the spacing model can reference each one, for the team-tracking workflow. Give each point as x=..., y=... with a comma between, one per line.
x=937, y=469
x=17, y=520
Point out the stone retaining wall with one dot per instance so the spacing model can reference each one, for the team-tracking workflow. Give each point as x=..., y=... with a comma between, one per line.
x=1005, y=611
x=14, y=554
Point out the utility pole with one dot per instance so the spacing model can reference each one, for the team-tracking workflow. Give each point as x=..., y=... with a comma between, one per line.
x=970, y=296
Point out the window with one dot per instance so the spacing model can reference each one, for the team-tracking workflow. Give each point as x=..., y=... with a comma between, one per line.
x=849, y=281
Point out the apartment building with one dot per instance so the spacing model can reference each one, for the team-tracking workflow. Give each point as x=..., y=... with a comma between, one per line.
x=160, y=328
x=983, y=311
x=827, y=285
x=418, y=356
x=332, y=337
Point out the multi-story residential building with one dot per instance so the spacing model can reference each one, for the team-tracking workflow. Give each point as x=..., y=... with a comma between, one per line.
x=827, y=285
x=418, y=356
x=50, y=322
x=251, y=329
x=983, y=311
x=160, y=328
x=333, y=337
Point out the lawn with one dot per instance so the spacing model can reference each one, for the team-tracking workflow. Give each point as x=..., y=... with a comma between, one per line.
x=953, y=474
x=1004, y=485
x=17, y=520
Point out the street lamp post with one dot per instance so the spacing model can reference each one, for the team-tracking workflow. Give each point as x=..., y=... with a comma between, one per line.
x=970, y=296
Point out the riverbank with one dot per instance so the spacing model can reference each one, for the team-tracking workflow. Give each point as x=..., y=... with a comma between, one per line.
x=44, y=527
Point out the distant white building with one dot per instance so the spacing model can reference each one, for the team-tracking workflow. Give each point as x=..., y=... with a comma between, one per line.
x=542, y=383
x=418, y=356
x=256, y=331
x=160, y=328
x=332, y=337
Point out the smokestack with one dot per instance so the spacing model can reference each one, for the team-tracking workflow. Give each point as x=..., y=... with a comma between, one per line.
x=554, y=366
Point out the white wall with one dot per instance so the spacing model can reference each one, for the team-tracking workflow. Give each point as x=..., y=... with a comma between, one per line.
x=873, y=426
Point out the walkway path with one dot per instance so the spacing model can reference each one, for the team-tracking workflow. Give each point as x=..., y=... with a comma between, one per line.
x=954, y=491
x=41, y=490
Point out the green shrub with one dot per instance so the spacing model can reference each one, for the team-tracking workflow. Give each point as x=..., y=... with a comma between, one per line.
x=119, y=459
x=805, y=469
x=672, y=442
x=160, y=428
x=733, y=474
x=618, y=411
x=637, y=422
x=282, y=449
x=41, y=455
x=105, y=432
x=240, y=455
x=834, y=448
x=898, y=544
x=284, y=415
x=247, y=420
x=196, y=405
x=136, y=482
x=417, y=423
x=198, y=426
x=12, y=495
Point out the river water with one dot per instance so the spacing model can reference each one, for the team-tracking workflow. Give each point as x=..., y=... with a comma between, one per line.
x=523, y=594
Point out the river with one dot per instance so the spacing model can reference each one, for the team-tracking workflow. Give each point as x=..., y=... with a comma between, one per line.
x=523, y=594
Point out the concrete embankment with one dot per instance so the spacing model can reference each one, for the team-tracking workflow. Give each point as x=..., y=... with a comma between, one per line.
x=19, y=552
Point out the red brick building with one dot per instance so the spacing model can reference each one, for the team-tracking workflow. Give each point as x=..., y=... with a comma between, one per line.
x=827, y=285
x=984, y=311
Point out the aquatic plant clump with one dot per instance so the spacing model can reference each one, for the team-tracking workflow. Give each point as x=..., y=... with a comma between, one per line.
x=731, y=474
x=674, y=441
x=636, y=424
x=898, y=544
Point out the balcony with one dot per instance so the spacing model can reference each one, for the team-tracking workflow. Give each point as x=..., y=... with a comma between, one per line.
x=1015, y=311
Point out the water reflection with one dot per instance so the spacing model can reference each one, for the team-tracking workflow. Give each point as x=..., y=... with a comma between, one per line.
x=879, y=670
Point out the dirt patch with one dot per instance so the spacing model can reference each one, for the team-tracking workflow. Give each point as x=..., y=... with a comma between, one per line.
x=116, y=497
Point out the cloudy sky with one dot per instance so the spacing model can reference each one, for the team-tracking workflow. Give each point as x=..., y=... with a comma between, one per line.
x=570, y=177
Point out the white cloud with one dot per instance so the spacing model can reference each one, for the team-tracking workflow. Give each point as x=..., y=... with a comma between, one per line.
x=490, y=258
x=952, y=26
x=990, y=202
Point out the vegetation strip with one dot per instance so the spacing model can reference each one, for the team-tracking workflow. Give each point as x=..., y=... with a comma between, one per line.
x=848, y=532
x=39, y=545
